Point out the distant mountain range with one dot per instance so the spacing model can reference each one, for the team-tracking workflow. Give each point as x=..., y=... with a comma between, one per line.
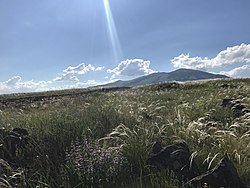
x=177, y=75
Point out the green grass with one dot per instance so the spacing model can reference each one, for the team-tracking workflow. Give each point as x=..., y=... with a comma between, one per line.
x=128, y=119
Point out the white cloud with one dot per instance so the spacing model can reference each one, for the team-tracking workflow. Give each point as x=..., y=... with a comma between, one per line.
x=243, y=71
x=3, y=87
x=185, y=61
x=67, y=77
x=81, y=69
x=232, y=55
x=91, y=83
x=70, y=72
x=99, y=68
x=88, y=83
x=131, y=67
x=68, y=80
x=15, y=84
x=33, y=85
x=13, y=81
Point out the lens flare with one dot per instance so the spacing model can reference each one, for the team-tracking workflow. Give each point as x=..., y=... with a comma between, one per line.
x=114, y=39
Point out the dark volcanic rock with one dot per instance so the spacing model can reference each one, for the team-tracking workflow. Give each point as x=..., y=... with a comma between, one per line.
x=156, y=148
x=176, y=158
x=223, y=175
x=13, y=145
x=17, y=140
x=20, y=132
x=237, y=107
x=226, y=86
x=227, y=102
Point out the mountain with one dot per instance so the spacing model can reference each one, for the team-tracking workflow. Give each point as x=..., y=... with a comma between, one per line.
x=177, y=75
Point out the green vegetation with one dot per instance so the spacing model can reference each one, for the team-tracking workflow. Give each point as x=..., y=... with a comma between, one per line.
x=100, y=138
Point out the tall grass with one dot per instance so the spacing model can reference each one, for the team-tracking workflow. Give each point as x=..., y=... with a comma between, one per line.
x=124, y=125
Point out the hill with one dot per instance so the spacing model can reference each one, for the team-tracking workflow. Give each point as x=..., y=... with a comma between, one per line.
x=177, y=75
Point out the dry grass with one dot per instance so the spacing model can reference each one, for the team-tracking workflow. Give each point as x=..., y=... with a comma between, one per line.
x=130, y=119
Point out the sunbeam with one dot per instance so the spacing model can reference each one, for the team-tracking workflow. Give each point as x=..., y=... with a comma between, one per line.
x=114, y=39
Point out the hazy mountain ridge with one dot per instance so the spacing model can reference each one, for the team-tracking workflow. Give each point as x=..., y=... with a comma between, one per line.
x=177, y=75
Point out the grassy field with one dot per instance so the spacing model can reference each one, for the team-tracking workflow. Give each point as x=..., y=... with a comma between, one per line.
x=103, y=137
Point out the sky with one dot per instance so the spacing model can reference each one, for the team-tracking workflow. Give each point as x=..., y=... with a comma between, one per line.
x=60, y=44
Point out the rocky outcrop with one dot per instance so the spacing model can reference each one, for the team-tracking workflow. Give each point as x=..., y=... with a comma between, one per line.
x=175, y=158
x=237, y=107
x=14, y=144
x=223, y=175
x=18, y=139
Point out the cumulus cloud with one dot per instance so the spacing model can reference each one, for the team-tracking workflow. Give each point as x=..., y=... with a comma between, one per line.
x=185, y=61
x=16, y=84
x=67, y=80
x=232, y=55
x=243, y=71
x=69, y=74
x=88, y=83
x=67, y=77
x=81, y=69
x=99, y=68
x=13, y=81
x=31, y=85
x=131, y=67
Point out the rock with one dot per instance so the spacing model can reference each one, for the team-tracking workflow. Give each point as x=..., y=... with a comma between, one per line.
x=156, y=148
x=237, y=107
x=226, y=86
x=228, y=102
x=224, y=174
x=13, y=145
x=17, y=140
x=176, y=158
x=20, y=131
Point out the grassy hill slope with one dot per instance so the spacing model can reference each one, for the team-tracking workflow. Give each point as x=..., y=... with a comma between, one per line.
x=103, y=138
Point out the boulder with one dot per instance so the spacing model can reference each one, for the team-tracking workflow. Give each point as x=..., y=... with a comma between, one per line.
x=237, y=107
x=20, y=131
x=229, y=102
x=17, y=140
x=175, y=158
x=224, y=174
x=156, y=148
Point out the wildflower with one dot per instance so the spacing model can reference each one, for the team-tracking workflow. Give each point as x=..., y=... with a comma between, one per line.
x=97, y=163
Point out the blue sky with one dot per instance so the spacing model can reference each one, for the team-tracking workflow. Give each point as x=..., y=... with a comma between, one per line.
x=57, y=44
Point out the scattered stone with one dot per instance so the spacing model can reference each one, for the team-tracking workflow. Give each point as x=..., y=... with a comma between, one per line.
x=156, y=148
x=176, y=158
x=226, y=86
x=17, y=140
x=224, y=174
x=228, y=102
x=237, y=107
x=20, y=132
